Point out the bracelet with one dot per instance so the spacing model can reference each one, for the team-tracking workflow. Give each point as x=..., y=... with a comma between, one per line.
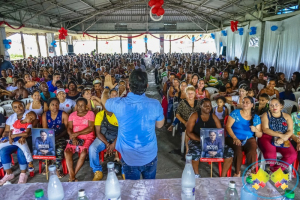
x=106, y=87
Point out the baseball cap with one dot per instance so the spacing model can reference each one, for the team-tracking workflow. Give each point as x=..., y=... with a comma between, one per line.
x=60, y=90
x=96, y=81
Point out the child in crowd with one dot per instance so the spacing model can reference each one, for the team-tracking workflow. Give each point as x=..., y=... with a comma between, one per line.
x=221, y=110
x=263, y=105
x=252, y=94
x=18, y=132
x=222, y=92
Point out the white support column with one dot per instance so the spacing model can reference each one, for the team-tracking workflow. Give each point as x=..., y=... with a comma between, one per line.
x=60, y=47
x=170, y=45
x=50, y=39
x=161, y=43
x=38, y=44
x=121, y=45
x=193, y=44
x=23, y=45
x=97, y=44
x=3, y=51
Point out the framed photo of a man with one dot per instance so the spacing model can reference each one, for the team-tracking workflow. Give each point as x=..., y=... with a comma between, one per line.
x=212, y=140
x=43, y=142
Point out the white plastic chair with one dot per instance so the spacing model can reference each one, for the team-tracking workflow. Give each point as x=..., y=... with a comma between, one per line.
x=297, y=96
x=6, y=102
x=213, y=96
x=8, y=109
x=27, y=101
x=214, y=104
x=228, y=106
x=212, y=90
x=289, y=105
x=280, y=89
x=298, y=89
x=1, y=110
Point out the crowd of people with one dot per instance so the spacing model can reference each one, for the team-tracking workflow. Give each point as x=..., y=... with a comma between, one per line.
x=97, y=103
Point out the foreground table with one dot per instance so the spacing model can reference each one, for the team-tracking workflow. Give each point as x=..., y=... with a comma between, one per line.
x=206, y=189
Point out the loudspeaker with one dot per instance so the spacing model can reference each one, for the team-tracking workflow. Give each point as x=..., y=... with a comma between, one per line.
x=224, y=51
x=70, y=48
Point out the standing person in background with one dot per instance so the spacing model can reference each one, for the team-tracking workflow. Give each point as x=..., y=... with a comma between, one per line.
x=137, y=116
x=139, y=66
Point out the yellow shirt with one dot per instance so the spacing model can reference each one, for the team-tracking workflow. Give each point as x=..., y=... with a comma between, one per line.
x=111, y=119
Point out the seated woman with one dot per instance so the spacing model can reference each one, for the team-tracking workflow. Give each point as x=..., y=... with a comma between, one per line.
x=34, y=76
x=295, y=80
x=278, y=129
x=58, y=120
x=194, y=81
x=73, y=94
x=6, y=154
x=173, y=91
x=281, y=82
x=262, y=83
x=288, y=93
x=65, y=104
x=37, y=106
x=270, y=90
x=81, y=133
x=296, y=130
x=201, y=92
x=45, y=93
x=238, y=100
x=242, y=127
x=235, y=83
x=30, y=85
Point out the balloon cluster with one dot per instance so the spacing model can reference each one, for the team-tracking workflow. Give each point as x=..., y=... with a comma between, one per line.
x=53, y=43
x=224, y=33
x=252, y=30
x=278, y=29
x=221, y=44
x=193, y=39
x=233, y=25
x=145, y=39
x=62, y=33
x=7, y=43
x=129, y=46
x=157, y=7
x=241, y=31
x=213, y=36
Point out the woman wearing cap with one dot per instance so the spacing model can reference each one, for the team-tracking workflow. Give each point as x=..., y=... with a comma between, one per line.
x=65, y=104
x=73, y=94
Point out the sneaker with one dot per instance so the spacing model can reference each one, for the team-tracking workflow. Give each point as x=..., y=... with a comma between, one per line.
x=6, y=178
x=30, y=167
x=23, y=178
x=197, y=176
x=98, y=176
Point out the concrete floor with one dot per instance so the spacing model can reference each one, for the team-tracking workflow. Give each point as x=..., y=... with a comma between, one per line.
x=170, y=165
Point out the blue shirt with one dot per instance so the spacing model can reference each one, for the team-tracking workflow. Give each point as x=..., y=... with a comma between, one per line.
x=241, y=127
x=136, y=115
x=51, y=87
x=52, y=95
x=46, y=145
x=6, y=65
x=290, y=96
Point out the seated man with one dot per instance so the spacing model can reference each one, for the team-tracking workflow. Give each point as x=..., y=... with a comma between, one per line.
x=106, y=126
x=43, y=145
x=212, y=146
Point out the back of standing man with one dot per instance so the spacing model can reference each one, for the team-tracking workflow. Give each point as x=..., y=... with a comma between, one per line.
x=137, y=116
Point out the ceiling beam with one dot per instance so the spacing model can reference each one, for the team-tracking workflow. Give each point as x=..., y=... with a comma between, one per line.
x=224, y=6
x=88, y=4
x=202, y=4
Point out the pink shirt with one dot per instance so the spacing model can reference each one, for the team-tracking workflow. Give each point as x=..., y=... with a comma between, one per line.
x=80, y=123
x=198, y=96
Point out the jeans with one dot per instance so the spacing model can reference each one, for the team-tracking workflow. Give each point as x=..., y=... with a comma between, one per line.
x=96, y=147
x=175, y=122
x=148, y=171
x=5, y=154
x=170, y=112
x=50, y=153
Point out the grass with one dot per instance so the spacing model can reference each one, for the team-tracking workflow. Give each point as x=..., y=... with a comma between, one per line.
x=16, y=56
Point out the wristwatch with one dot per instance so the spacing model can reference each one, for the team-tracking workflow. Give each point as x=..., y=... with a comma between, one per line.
x=106, y=87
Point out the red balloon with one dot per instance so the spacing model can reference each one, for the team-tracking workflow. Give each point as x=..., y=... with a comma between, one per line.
x=161, y=2
x=157, y=5
x=161, y=11
x=154, y=10
x=151, y=3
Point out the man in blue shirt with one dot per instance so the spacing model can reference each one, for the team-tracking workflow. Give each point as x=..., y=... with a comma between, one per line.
x=137, y=117
x=4, y=64
x=43, y=145
x=212, y=146
x=51, y=84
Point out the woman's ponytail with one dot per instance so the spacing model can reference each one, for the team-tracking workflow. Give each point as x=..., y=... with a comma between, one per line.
x=252, y=109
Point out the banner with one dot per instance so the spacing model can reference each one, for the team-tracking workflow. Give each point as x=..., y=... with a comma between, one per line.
x=43, y=143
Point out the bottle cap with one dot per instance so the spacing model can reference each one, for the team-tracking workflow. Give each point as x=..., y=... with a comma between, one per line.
x=249, y=180
x=289, y=194
x=39, y=193
x=81, y=193
x=110, y=165
x=231, y=184
x=188, y=157
x=52, y=168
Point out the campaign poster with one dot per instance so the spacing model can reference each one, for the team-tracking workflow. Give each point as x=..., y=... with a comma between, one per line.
x=212, y=142
x=43, y=142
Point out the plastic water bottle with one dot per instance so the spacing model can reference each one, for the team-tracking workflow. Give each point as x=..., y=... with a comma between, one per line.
x=247, y=191
x=188, y=180
x=231, y=193
x=112, y=186
x=39, y=195
x=55, y=189
x=81, y=195
x=289, y=195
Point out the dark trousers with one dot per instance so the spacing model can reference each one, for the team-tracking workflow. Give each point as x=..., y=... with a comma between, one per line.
x=156, y=76
x=250, y=151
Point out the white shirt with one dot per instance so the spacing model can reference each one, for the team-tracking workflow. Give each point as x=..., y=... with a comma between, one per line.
x=11, y=88
x=11, y=120
x=67, y=105
x=142, y=67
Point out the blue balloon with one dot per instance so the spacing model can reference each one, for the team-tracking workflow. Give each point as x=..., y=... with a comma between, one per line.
x=274, y=28
x=221, y=44
x=129, y=46
x=224, y=33
x=7, y=46
x=55, y=45
x=145, y=39
x=213, y=36
x=193, y=39
x=253, y=30
x=200, y=35
x=5, y=41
